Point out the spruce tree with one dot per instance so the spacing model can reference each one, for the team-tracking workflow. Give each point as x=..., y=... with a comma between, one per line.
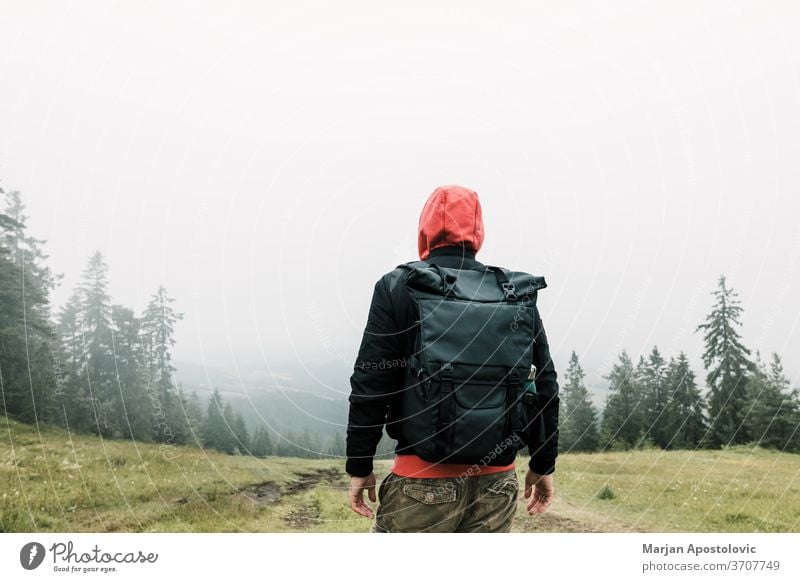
x=240, y=433
x=685, y=423
x=230, y=444
x=654, y=397
x=727, y=364
x=194, y=417
x=132, y=406
x=188, y=418
x=262, y=443
x=337, y=445
x=158, y=322
x=577, y=427
x=774, y=414
x=622, y=425
x=73, y=392
x=97, y=367
x=27, y=339
x=215, y=430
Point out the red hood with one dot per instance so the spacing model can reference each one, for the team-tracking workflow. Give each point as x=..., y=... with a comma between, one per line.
x=452, y=215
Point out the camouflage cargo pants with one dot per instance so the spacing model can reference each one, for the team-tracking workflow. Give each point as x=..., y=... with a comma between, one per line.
x=478, y=503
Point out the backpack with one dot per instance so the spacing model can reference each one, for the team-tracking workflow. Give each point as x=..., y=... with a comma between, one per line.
x=466, y=396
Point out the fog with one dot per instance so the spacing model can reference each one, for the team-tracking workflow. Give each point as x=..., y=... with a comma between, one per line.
x=268, y=163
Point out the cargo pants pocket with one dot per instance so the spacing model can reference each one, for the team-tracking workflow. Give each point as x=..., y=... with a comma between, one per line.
x=493, y=505
x=419, y=505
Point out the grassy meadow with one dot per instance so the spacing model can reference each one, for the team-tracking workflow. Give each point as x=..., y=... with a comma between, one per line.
x=51, y=480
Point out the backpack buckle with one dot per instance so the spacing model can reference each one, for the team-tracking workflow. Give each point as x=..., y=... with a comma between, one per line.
x=509, y=290
x=530, y=399
x=449, y=284
x=446, y=371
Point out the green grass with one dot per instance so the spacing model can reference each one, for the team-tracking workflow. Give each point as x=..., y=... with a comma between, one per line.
x=54, y=481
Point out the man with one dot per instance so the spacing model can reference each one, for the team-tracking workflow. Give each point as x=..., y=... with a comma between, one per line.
x=420, y=495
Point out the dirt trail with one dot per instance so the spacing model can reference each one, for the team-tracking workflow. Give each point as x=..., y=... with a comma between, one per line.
x=566, y=517
x=551, y=522
x=269, y=493
x=562, y=517
x=304, y=517
x=262, y=493
x=305, y=481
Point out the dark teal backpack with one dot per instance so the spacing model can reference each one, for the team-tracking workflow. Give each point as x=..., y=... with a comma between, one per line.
x=467, y=398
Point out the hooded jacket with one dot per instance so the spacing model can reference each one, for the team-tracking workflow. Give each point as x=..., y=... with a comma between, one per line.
x=450, y=233
x=451, y=216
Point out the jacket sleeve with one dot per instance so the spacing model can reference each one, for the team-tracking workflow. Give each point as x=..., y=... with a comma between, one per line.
x=543, y=454
x=377, y=374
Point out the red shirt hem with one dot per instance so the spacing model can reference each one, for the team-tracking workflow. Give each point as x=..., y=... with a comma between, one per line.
x=413, y=466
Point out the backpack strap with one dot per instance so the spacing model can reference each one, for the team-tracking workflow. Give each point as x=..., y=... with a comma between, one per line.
x=448, y=281
x=446, y=406
x=507, y=286
x=513, y=384
x=533, y=403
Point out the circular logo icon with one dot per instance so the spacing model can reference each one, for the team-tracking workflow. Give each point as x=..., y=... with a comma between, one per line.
x=31, y=555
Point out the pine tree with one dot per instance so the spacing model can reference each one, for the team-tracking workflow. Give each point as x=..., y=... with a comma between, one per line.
x=158, y=321
x=73, y=395
x=131, y=403
x=262, y=443
x=194, y=416
x=27, y=340
x=187, y=419
x=577, y=427
x=240, y=433
x=654, y=397
x=291, y=444
x=774, y=415
x=215, y=431
x=622, y=425
x=337, y=446
x=229, y=444
x=685, y=423
x=97, y=369
x=69, y=327
x=727, y=365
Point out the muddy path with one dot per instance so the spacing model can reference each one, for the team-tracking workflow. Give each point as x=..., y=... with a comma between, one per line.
x=305, y=481
x=264, y=493
x=269, y=492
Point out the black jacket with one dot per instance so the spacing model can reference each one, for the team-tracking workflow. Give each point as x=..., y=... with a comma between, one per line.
x=377, y=378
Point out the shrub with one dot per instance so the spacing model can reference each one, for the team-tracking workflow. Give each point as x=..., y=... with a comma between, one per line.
x=606, y=493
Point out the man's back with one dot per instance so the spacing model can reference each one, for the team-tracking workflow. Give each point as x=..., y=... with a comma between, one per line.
x=451, y=223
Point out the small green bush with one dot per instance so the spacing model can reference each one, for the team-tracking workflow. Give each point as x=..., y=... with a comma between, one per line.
x=606, y=493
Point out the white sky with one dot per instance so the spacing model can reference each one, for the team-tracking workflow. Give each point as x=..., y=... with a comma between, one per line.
x=268, y=163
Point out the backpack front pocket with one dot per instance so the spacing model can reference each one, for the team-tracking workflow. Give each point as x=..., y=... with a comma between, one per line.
x=419, y=410
x=478, y=418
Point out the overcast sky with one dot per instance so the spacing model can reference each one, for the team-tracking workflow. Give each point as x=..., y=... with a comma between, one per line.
x=268, y=164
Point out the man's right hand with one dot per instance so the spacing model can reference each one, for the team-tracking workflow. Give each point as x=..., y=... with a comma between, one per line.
x=357, y=487
x=542, y=488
